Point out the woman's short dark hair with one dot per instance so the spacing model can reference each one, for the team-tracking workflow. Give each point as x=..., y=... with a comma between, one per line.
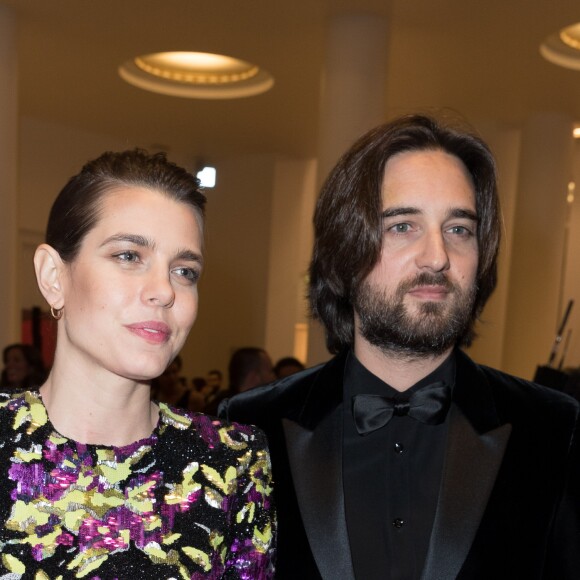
x=76, y=210
x=348, y=225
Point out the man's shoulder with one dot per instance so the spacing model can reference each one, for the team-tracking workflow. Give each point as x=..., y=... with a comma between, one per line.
x=283, y=397
x=529, y=397
x=314, y=388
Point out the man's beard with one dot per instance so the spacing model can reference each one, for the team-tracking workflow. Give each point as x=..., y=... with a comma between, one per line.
x=386, y=323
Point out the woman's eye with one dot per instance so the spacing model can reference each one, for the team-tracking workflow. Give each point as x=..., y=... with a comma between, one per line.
x=127, y=256
x=188, y=274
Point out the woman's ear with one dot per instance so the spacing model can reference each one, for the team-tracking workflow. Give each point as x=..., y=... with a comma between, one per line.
x=49, y=269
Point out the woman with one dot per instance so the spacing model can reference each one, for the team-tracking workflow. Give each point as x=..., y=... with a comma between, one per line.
x=23, y=367
x=98, y=482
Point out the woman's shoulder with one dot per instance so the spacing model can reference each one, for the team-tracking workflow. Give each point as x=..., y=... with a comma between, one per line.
x=21, y=413
x=213, y=431
x=24, y=403
x=220, y=450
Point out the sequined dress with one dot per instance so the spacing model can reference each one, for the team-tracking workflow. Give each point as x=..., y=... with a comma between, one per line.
x=192, y=501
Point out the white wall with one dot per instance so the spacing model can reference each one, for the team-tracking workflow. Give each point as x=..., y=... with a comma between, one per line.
x=49, y=154
x=293, y=199
x=233, y=289
x=505, y=145
x=538, y=248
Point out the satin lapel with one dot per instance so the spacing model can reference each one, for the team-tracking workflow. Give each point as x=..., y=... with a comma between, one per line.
x=316, y=462
x=471, y=465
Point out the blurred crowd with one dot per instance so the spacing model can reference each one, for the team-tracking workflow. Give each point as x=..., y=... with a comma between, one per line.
x=249, y=367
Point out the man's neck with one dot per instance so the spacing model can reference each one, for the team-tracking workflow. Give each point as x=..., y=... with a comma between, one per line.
x=399, y=370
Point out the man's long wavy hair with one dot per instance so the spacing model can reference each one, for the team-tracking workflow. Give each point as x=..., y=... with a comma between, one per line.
x=348, y=225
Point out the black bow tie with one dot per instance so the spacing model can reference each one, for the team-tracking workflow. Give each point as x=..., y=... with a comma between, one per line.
x=428, y=405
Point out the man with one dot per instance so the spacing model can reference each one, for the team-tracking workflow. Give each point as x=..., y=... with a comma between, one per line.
x=401, y=458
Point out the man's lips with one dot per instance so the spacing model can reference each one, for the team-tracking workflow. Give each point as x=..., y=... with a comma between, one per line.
x=432, y=292
x=152, y=331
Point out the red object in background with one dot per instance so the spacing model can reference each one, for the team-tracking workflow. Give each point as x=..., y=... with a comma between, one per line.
x=45, y=332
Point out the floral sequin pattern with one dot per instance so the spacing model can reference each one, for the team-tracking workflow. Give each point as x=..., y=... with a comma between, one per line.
x=191, y=501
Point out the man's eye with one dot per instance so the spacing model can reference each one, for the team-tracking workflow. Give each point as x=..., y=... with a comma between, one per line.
x=400, y=228
x=460, y=231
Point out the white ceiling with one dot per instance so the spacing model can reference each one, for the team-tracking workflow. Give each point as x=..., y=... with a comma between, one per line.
x=479, y=58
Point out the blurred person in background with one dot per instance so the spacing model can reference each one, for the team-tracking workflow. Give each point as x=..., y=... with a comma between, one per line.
x=169, y=387
x=249, y=367
x=23, y=367
x=287, y=366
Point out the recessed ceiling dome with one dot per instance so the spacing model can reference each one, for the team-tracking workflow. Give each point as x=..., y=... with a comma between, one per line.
x=198, y=75
x=563, y=48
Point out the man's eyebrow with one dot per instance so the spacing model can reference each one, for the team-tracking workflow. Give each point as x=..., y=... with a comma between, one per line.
x=454, y=213
x=396, y=211
x=464, y=213
x=131, y=238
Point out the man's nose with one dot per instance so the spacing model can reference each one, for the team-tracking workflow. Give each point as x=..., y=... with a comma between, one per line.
x=432, y=254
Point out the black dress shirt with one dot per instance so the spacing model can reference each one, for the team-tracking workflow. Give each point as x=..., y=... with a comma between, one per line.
x=391, y=480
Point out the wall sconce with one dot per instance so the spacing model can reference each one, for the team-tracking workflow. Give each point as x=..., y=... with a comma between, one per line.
x=207, y=176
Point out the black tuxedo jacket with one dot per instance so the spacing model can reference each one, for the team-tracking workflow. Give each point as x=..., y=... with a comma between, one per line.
x=509, y=502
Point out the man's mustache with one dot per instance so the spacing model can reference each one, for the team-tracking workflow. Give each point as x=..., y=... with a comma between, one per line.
x=427, y=279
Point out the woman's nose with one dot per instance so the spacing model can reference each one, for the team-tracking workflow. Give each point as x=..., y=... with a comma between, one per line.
x=159, y=290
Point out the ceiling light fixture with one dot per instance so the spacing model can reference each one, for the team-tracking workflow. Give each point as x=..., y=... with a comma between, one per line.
x=196, y=75
x=563, y=48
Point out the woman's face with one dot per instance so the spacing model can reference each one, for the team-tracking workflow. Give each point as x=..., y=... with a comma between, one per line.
x=16, y=366
x=130, y=295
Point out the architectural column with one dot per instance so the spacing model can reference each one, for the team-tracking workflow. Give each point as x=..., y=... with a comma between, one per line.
x=353, y=100
x=9, y=306
x=535, y=298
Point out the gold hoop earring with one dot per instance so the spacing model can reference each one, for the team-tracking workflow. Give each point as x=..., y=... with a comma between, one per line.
x=56, y=313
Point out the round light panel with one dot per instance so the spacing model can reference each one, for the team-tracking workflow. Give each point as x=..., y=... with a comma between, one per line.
x=196, y=75
x=563, y=48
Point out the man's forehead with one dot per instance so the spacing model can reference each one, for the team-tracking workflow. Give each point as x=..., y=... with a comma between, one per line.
x=419, y=179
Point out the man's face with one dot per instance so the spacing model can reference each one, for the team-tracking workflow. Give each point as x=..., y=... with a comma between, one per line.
x=418, y=299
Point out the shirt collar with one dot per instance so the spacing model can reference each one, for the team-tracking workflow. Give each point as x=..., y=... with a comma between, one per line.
x=359, y=380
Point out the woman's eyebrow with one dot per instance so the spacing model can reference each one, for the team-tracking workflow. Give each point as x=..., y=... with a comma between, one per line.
x=143, y=242
x=132, y=238
x=189, y=256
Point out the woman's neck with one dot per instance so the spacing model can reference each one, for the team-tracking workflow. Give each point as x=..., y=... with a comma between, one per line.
x=105, y=410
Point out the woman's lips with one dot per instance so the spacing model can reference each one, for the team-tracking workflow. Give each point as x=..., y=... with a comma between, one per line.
x=152, y=331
